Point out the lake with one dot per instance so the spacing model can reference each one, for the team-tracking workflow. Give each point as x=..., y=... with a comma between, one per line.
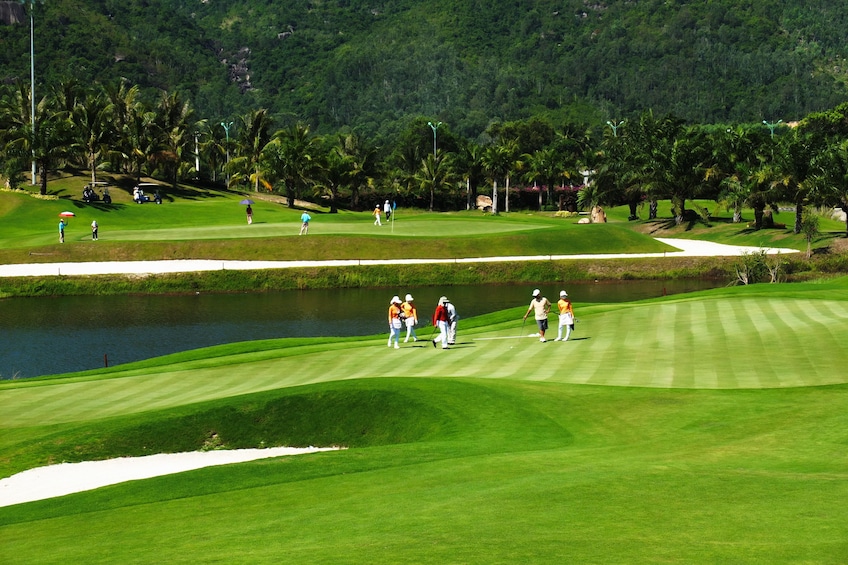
x=43, y=336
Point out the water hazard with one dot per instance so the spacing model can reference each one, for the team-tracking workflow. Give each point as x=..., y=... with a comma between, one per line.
x=43, y=336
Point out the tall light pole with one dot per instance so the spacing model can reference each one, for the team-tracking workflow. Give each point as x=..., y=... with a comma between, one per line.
x=615, y=127
x=772, y=126
x=434, y=127
x=32, y=76
x=227, y=126
x=196, y=154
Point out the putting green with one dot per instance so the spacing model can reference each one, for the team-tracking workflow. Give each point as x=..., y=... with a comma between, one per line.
x=416, y=227
x=698, y=343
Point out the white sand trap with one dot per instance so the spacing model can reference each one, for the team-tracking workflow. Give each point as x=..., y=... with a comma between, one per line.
x=67, y=478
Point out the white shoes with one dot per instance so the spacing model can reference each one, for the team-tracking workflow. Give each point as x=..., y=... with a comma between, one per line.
x=397, y=346
x=543, y=340
x=557, y=339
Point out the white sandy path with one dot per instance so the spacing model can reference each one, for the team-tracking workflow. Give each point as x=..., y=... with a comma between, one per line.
x=687, y=248
x=67, y=478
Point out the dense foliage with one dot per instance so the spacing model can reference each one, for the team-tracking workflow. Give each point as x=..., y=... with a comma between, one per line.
x=371, y=66
x=329, y=100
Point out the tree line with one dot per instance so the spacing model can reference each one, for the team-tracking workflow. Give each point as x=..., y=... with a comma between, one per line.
x=373, y=66
x=528, y=164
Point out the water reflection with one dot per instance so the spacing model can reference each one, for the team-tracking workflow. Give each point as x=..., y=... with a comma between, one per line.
x=43, y=336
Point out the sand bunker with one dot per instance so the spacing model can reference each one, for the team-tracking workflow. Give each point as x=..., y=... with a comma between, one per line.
x=67, y=478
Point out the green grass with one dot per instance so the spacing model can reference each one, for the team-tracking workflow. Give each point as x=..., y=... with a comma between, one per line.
x=206, y=223
x=705, y=428
x=720, y=228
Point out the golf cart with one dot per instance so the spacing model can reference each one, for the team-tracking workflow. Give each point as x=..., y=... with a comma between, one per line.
x=140, y=197
x=89, y=192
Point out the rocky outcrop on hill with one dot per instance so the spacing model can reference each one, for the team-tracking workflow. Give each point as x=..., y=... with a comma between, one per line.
x=12, y=13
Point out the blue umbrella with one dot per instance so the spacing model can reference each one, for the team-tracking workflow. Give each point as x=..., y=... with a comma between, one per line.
x=247, y=201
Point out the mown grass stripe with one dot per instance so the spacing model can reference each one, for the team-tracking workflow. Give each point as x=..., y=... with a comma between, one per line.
x=687, y=339
x=663, y=370
x=714, y=339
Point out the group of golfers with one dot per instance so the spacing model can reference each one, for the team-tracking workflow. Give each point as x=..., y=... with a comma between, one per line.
x=540, y=306
x=404, y=313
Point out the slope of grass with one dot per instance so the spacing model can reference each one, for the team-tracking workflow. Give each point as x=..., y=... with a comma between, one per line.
x=205, y=223
x=497, y=472
x=712, y=430
x=215, y=228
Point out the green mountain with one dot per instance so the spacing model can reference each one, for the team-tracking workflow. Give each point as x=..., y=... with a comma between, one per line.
x=373, y=65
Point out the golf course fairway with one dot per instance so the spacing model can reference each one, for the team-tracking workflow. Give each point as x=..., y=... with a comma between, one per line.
x=701, y=428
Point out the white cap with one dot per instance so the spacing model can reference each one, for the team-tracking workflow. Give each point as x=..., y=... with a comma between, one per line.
x=409, y=298
x=563, y=293
x=443, y=299
x=395, y=299
x=537, y=292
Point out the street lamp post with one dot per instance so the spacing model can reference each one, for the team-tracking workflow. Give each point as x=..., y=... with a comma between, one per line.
x=32, y=76
x=196, y=155
x=227, y=126
x=434, y=127
x=615, y=127
x=772, y=126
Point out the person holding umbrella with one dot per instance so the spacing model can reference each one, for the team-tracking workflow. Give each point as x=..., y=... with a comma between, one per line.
x=62, y=224
x=249, y=210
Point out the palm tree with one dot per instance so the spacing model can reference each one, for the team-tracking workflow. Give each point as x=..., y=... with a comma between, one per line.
x=541, y=168
x=13, y=156
x=334, y=169
x=675, y=159
x=254, y=135
x=433, y=175
x=49, y=141
x=133, y=123
x=572, y=148
x=15, y=121
x=496, y=163
x=291, y=157
x=468, y=164
x=361, y=159
x=792, y=171
x=93, y=129
x=212, y=145
x=830, y=176
x=735, y=158
x=175, y=127
x=617, y=171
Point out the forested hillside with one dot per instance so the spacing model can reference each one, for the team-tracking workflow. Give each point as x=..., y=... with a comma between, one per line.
x=371, y=65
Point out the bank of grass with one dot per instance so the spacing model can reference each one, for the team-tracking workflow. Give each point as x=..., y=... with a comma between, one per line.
x=794, y=268
x=633, y=443
x=719, y=228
